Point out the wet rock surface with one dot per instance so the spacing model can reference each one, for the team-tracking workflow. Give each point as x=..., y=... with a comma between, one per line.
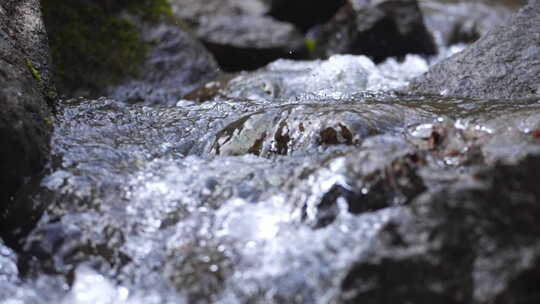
x=289, y=129
x=239, y=34
x=26, y=93
x=301, y=182
x=378, y=30
x=502, y=64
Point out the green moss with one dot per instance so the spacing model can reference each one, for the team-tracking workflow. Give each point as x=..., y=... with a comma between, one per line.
x=49, y=120
x=35, y=73
x=311, y=45
x=48, y=92
x=151, y=10
x=92, y=46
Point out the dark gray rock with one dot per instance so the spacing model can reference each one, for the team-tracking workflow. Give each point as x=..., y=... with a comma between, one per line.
x=239, y=34
x=503, y=64
x=176, y=65
x=304, y=13
x=383, y=174
x=378, y=29
x=474, y=241
x=26, y=91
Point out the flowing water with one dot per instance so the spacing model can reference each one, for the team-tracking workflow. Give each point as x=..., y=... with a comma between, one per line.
x=269, y=193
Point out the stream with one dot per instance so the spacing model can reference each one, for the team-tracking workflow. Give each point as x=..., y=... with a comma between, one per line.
x=272, y=192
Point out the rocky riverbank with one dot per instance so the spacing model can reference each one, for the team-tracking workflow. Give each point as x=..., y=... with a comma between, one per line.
x=328, y=172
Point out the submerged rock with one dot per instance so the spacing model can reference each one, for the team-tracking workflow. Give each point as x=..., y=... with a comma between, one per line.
x=239, y=34
x=297, y=80
x=292, y=129
x=503, y=64
x=26, y=96
x=377, y=29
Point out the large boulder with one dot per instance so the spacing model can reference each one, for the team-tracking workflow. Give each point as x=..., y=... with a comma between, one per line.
x=378, y=29
x=503, y=64
x=239, y=33
x=26, y=92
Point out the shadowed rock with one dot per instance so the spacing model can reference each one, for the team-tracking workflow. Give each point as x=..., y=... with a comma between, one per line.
x=304, y=13
x=372, y=182
x=473, y=242
x=239, y=34
x=379, y=30
x=26, y=91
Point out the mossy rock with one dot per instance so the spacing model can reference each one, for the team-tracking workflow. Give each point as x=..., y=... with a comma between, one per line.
x=149, y=10
x=92, y=46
